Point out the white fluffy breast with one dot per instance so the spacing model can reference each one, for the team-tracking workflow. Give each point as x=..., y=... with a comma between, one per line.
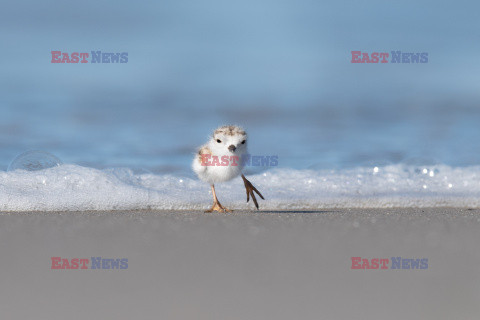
x=211, y=171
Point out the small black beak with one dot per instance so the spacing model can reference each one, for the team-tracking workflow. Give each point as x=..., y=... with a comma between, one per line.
x=232, y=148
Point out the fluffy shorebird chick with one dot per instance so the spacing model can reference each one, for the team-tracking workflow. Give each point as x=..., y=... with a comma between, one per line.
x=220, y=160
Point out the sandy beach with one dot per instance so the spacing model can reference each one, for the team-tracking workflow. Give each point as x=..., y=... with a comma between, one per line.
x=244, y=265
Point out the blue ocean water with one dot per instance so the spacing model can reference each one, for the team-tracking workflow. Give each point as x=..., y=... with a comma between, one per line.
x=281, y=69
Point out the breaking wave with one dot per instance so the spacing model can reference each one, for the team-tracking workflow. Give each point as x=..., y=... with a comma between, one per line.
x=75, y=188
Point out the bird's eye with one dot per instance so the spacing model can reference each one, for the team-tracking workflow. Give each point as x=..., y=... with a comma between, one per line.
x=219, y=141
x=243, y=142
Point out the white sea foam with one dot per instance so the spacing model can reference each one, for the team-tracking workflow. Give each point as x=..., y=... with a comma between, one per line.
x=72, y=188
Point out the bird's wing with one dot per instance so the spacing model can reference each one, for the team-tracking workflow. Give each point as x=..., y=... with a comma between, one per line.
x=201, y=159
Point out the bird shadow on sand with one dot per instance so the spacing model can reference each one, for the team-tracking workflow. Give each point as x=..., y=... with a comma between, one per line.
x=292, y=211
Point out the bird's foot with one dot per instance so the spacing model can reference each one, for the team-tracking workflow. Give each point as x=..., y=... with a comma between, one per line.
x=218, y=208
x=250, y=189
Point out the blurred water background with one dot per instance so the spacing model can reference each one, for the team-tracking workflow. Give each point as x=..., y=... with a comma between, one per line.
x=279, y=68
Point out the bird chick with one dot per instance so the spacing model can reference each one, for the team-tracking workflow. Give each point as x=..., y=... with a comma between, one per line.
x=220, y=160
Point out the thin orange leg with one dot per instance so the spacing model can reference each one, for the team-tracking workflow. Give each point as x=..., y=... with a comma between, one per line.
x=216, y=204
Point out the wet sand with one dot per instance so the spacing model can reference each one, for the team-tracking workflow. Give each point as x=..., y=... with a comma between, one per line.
x=245, y=265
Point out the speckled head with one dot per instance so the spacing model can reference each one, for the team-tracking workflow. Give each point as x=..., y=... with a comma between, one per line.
x=229, y=131
x=229, y=140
